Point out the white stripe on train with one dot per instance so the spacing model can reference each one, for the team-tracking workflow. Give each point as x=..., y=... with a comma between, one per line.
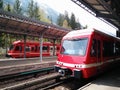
x=86, y=65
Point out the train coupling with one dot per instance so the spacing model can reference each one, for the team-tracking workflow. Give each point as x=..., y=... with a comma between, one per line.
x=63, y=71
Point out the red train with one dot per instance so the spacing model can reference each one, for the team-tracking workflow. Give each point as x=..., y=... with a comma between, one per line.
x=16, y=50
x=85, y=53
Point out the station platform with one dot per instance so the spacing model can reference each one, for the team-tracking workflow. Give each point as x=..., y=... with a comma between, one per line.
x=109, y=81
x=13, y=66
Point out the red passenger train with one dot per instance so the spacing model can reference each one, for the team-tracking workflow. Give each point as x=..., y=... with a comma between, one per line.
x=32, y=48
x=85, y=53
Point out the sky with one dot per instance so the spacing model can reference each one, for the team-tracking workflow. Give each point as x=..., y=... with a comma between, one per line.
x=85, y=18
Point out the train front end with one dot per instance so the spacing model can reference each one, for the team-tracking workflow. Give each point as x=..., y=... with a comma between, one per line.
x=73, y=54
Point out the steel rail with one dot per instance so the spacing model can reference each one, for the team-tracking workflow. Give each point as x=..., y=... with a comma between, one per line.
x=32, y=82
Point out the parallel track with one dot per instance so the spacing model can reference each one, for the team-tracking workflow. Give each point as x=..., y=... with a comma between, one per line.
x=30, y=84
x=23, y=76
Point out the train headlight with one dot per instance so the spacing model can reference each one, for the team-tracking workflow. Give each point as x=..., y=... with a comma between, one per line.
x=58, y=62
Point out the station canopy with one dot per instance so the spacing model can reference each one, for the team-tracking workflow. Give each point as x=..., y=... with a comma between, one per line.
x=108, y=10
x=17, y=24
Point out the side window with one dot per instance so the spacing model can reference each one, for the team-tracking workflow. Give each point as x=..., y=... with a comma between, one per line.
x=105, y=49
x=108, y=49
x=32, y=49
x=99, y=50
x=45, y=48
x=36, y=48
x=117, y=49
x=93, y=52
x=27, y=48
x=18, y=48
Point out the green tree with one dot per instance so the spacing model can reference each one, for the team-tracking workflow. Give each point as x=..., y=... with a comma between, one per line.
x=43, y=17
x=2, y=39
x=78, y=25
x=65, y=24
x=17, y=7
x=36, y=11
x=60, y=20
x=8, y=8
x=1, y=4
x=67, y=18
x=31, y=9
x=50, y=18
x=73, y=21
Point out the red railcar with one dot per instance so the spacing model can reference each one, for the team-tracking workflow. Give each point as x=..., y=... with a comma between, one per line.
x=16, y=50
x=85, y=53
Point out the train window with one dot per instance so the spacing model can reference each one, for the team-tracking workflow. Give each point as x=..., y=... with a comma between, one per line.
x=99, y=50
x=18, y=48
x=32, y=49
x=93, y=52
x=27, y=48
x=117, y=49
x=11, y=47
x=74, y=46
x=114, y=49
x=108, y=49
x=45, y=47
x=36, y=48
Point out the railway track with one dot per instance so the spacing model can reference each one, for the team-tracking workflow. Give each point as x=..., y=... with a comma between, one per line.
x=44, y=82
x=44, y=79
x=26, y=73
x=51, y=81
x=23, y=76
x=33, y=83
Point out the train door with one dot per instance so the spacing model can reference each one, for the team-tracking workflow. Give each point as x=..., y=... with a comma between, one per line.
x=18, y=51
x=27, y=48
x=96, y=54
x=45, y=50
x=32, y=53
x=99, y=59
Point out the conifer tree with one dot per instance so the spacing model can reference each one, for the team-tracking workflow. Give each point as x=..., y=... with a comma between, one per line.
x=72, y=21
x=1, y=4
x=8, y=8
x=60, y=20
x=36, y=11
x=17, y=7
x=31, y=9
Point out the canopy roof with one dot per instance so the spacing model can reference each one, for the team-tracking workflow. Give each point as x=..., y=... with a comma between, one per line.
x=16, y=24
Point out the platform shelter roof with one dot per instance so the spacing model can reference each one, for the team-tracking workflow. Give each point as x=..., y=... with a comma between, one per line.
x=17, y=24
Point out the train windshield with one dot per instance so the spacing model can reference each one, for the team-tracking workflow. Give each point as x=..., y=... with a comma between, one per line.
x=74, y=46
x=11, y=47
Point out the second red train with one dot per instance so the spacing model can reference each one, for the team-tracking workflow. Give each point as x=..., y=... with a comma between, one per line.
x=32, y=49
